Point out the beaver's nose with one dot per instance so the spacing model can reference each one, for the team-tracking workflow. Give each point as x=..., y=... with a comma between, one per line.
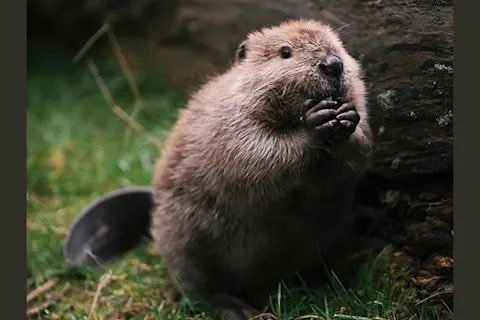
x=332, y=65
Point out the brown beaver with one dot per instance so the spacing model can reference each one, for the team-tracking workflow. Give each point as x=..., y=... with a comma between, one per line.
x=257, y=179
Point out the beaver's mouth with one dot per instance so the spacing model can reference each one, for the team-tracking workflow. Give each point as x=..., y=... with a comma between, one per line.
x=334, y=94
x=334, y=90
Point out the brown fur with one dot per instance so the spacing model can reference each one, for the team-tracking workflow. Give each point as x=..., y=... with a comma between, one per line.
x=244, y=195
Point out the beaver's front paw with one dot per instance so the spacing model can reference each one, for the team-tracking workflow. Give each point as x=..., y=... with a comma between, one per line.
x=321, y=117
x=348, y=119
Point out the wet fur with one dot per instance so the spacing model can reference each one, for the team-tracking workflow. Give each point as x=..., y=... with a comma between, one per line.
x=244, y=194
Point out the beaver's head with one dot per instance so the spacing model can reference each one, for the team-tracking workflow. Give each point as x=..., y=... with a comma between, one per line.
x=295, y=61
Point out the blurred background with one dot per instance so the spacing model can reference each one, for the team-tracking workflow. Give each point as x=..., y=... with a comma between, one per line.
x=105, y=82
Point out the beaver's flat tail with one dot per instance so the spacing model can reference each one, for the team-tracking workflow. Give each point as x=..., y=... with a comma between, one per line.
x=110, y=226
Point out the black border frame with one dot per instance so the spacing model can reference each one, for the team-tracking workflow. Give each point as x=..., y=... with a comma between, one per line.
x=13, y=34
x=466, y=160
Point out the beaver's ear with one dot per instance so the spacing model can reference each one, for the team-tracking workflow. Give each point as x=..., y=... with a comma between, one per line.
x=241, y=53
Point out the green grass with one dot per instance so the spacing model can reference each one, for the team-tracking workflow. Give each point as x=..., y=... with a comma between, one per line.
x=380, y=291
x=77, y=149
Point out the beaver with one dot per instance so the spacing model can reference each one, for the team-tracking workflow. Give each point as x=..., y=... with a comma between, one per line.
x=257, y=178
x=258, y=175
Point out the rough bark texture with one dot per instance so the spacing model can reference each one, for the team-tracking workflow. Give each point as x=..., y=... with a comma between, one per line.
x=406, y=48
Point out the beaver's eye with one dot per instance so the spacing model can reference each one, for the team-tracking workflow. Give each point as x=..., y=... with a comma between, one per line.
x=285, y=52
